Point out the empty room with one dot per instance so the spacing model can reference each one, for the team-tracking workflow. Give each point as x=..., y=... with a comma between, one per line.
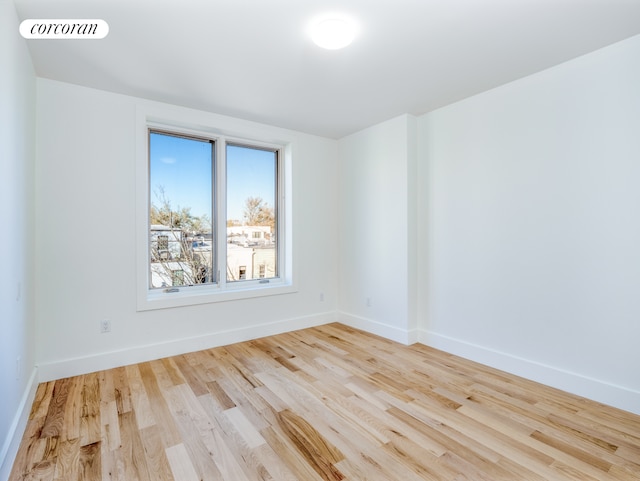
x=313, y=240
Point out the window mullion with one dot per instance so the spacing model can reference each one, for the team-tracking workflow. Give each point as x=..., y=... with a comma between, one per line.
x=221, y=212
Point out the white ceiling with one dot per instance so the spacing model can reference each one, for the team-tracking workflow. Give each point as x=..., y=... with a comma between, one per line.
x=253, y=59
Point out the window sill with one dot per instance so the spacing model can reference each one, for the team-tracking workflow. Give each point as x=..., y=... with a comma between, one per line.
x=191, y=296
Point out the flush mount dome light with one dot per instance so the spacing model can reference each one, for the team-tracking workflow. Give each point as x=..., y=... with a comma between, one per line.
x=333, y=32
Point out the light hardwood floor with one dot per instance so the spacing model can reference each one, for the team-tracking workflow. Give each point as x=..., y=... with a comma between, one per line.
x=327, y=403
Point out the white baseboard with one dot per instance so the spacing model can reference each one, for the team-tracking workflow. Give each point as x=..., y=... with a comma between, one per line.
x=595, y=389
x=11, y=443
x=73, y=367
x=387, y=331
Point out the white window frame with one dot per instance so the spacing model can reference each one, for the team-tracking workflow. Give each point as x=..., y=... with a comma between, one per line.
x=222, y=130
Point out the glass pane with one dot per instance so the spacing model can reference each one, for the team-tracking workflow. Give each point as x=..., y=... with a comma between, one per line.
x=251, y=213
x=180, y=210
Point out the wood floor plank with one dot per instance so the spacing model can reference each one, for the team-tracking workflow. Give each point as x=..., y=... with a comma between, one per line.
x=219, y=449
x=154, y=450
x=292, y=458
x=131, y=450
x=43, y=397
x=173, y=371
x=181, y=464
x=122, y=393
x=90, y=429
x=161, y=413
x=231, y=442
x=111, y=428
x=32, y=447
x=319, y=453
x=321, y=404
x=190, y=375
x=243, y=426
x=67, y=461
x=196, y=430
x=90, y=468
x=54, y=422
x=139, y=399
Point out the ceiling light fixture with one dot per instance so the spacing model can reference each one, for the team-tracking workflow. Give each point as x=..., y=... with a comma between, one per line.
x=333, y=32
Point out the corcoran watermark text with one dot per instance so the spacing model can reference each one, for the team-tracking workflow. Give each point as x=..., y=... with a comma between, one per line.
x=64, y=29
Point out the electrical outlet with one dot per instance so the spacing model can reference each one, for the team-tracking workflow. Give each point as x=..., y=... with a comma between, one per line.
x=105, y=326
x=368, y=302
x=322, y=297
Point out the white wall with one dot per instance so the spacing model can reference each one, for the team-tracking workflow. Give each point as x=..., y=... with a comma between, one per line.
x=376, y=178
x=17, y=138
x=529, y=211
x=85, y=180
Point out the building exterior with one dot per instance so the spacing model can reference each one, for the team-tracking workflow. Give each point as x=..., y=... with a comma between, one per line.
x=179, y=259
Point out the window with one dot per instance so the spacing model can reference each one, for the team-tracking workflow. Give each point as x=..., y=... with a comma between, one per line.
x=177, y=277
x=252, y=175
x=180, y=210
x=163, y=243
x=216, y=222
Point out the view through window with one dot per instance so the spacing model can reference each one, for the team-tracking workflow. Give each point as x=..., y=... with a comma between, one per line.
x=181, y=210
x=251, y=215
x=191, y=235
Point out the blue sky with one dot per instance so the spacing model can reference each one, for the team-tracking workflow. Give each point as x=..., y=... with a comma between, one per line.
x=250, y=173
x=183, y=168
